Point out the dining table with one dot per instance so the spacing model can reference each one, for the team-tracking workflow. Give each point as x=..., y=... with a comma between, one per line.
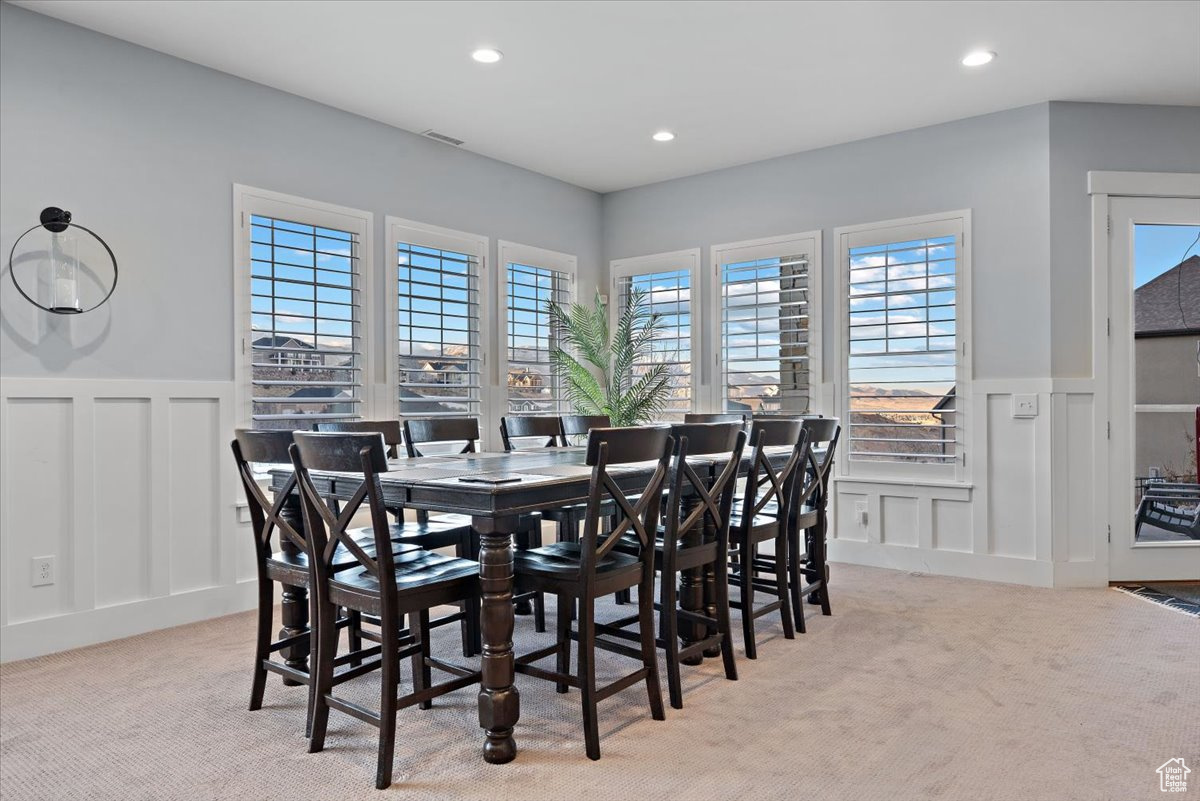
x=495, y=490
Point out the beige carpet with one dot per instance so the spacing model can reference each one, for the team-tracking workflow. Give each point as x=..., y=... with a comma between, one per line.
x=919, y=687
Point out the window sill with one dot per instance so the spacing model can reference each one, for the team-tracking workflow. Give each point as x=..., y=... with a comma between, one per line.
x=944, y=489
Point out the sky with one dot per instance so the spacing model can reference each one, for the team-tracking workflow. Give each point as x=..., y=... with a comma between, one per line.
x=1158, y=248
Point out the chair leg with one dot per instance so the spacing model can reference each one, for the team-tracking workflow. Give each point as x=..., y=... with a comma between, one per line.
x=649, y=649
x=723, y=624
x=669, y=619
x=473, y=634
x=539, y=612
x=566, y=606
x=587, y=675
x=262, y=641
x=322, y=675
x=746, y=593
x=354, y=634
x=781, y=588
x=795, y=578
x=422, y=673
x=388, y=684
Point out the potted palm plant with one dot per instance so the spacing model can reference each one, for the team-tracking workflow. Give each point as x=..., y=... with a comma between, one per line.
x=595, y=363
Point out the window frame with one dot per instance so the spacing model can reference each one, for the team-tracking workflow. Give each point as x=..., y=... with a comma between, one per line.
x=248, y=201
x=672, y=261
x=769, y=247
x=531, y=256
x=902, y=230
x=397, y=230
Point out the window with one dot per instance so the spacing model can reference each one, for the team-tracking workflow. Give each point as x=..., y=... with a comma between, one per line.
x=533, y=278
x=439, y=361
x=666, y=282
x=905, y=296
x=768, y=349
x=301, y=271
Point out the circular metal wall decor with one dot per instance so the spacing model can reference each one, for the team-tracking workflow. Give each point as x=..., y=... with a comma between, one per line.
x=61, y=264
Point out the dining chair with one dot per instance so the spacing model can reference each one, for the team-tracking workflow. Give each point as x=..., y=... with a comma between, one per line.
x=546, y=430
x=762, y=516
x=388, y=586
x=810, y=564
x=392, y=431
x=583, y=571
x=288, y=566
x=694, y=536
x=465, y=430
x=575, y=426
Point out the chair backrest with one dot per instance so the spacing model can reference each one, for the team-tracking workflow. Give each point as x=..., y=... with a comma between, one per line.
x=393, y=436
x=764, y=482
x=822, y=431
x=547, y=428
x=609, y=447
x=359, y=454
x=441, y=429
x=714, y=497
x=578, y=425
x=720, y=417
x=265, y=447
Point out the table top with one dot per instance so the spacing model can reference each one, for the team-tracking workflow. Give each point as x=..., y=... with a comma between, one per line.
x=493, y=484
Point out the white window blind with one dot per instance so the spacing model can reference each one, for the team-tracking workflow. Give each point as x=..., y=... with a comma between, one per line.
x=438, y=332
x=765, y=327
x=903, y=354
x=532, y=387
x=305, y=319
x=667, y=293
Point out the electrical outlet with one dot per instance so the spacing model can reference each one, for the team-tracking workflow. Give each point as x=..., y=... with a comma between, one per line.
x=860, y=512
x=43, y=570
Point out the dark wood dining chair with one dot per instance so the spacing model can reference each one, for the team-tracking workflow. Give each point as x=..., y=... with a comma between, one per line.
x=465, y=430
x=544, y=430
x=392, y=431
x=719, y=417
x=288, y=566
x=388, y=586
x=762, y=516
x=694, y=536
x=577, y=426
x=583, y=571
x=808, y=568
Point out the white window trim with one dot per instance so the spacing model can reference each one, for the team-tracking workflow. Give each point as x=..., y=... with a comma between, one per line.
x=898, y=230
x=671, y=261
x=400, y=230
x=763, y=248
x=247, y=201
x=516, y=253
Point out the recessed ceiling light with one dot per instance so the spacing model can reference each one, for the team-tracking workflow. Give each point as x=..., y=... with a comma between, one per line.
x=977, y=58
x=663, y=136
x=487, y=55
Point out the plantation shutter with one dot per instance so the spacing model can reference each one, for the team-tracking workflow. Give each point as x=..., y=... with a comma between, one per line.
x=305, y=319
x=667, y=293
x=532, y=386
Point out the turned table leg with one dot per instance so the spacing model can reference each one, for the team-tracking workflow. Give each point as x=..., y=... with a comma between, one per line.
x=294, y=601
x=691, y=596
x=499, y=703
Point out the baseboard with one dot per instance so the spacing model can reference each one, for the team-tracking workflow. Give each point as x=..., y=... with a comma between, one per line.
x=1007, y=569
x=48, y=635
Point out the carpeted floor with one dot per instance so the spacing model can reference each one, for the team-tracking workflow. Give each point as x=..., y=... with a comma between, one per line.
x=920, y=687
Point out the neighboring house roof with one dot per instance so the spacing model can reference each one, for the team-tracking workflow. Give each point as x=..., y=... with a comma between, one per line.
x=320, y=392
x=1170, y=303
x=946, y=400
x=281, y=342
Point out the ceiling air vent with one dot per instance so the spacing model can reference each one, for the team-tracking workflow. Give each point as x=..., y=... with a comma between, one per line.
x=441, y=137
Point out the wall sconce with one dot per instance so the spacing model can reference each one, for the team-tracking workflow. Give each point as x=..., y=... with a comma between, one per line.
x=62, y=265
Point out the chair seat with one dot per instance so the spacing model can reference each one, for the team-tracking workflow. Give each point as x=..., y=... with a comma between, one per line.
x=417, y=572
x=562, y=559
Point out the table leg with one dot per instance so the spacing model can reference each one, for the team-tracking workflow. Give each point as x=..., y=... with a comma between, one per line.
x=499, y=702
x=294, y=600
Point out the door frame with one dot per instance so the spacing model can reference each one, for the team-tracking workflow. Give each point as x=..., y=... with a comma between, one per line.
x=1103, y=186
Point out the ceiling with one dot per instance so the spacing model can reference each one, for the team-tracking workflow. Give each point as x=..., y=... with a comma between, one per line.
x=583, y=85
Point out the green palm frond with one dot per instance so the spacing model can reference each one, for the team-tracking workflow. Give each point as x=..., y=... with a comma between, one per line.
x=584, y=338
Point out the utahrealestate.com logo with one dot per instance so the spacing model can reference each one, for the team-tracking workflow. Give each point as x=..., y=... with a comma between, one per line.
x=1172, y=776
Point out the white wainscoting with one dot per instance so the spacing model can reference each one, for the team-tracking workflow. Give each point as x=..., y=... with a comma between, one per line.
x=1030, y=515
x=130, y=486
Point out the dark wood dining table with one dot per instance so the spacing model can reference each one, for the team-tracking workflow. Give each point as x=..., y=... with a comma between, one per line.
x=533, y=480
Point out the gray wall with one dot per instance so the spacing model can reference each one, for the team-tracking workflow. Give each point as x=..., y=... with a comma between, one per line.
x=994, y=164
x=1095, y=136
x=144, y=148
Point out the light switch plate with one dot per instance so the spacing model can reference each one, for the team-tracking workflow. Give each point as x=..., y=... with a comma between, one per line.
x=1024, y=406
